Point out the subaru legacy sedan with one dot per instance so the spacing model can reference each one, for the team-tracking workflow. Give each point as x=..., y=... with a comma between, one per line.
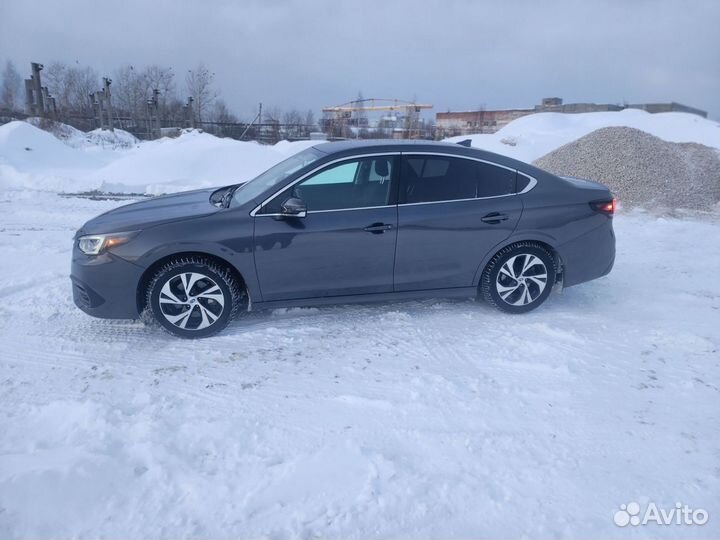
x=347, y=222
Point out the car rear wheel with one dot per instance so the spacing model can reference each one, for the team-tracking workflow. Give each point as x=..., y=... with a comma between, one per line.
x=193, y=297
x=519, y=278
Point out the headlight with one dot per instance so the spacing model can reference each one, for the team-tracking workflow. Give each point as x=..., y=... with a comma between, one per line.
x=94, y=244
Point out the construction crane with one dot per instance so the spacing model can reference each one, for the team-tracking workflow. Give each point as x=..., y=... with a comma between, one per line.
x=342, y=114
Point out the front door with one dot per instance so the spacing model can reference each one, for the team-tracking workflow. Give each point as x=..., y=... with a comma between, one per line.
x=345, y=244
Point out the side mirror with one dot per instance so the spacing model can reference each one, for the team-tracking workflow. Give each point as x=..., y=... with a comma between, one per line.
x=293, y=207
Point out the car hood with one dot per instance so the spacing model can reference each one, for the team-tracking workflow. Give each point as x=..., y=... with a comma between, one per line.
x=155, y=211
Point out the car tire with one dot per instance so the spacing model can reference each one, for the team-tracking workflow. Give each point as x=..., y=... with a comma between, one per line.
x=519, y=277
x=194, y=297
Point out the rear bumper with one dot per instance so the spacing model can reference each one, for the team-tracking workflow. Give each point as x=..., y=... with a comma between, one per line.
x=105, y=286
x=589, y=256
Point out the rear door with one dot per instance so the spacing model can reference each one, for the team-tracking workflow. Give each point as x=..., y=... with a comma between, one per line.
x=345, y=244
x=452, y=211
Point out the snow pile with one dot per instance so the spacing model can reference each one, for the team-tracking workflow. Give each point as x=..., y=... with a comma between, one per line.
x=535, y=135
x=110, y=139
x=73, y=161
x=71, y=136
x=642, y=169
x=31, y=158
x=193, y=160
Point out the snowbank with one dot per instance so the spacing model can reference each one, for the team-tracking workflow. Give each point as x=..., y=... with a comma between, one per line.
x=31, y=158
x=79, y=139
x=531, y=137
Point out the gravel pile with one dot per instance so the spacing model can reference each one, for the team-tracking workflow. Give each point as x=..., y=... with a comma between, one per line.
x=641, y=169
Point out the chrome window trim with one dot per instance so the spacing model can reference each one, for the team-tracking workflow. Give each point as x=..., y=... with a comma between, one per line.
x=348, y=209
x=337, y=210
x=445, y=154
x=254, y=211
x=459, y=200
x=533, y=182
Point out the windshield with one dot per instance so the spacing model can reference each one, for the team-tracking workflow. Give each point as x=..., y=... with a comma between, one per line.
x=274, y=176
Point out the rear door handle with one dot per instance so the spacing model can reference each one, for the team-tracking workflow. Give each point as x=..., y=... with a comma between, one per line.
x=378, y=228
x=494, y=218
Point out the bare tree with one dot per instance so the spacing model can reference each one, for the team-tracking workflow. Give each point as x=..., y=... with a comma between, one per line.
x=310, y=123
x=82, y=81
x=55, y=76
x=272, y=114
x=163, y=79
x=11, y=87
x=199, y=83
x=129, y=92
x=221, y=113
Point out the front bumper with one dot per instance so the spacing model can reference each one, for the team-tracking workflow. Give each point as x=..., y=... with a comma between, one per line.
x=105, y=285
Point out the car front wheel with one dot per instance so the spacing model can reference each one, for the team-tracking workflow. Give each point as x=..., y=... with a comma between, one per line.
x=193, y=297
x=519, y=277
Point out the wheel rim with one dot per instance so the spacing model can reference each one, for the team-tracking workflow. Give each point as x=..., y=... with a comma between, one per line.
x=522, y=279
x=191, y=301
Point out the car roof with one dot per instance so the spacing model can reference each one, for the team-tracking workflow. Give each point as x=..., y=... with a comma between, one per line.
x=376, y=144
x=350, y=147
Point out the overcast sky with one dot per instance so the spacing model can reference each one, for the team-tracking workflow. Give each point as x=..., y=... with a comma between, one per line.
x=455, y=54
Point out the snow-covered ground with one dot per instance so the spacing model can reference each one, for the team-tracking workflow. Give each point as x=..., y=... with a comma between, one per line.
x=531, y=137
x=436, y=419
x=441, y=419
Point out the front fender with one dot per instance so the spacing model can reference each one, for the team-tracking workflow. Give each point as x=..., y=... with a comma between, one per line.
x=226, y=235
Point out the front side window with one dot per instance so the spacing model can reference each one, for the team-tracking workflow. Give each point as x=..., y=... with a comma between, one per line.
x=443, y=178
x=359, y=183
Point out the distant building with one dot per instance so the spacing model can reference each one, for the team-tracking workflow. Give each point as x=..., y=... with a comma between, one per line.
x=489, y=121
x=668, y=107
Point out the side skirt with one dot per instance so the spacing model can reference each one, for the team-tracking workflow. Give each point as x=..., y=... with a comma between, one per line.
x=458, y=292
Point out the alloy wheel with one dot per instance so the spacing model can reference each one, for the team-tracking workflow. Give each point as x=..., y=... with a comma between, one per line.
x=191, y=301
x=521, y=279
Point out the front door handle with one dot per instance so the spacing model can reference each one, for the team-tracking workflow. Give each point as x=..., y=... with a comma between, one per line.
x=494, y=218
x=378, y=228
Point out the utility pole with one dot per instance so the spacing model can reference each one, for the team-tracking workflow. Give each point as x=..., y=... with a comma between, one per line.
x=154, y=115
x=39, y=108
x=156, y=106
x=46, y=101
x=189, y=114
x=29, y=101
x=53, y=108
x=257, y=118
x=100, y=101
x=108, y=102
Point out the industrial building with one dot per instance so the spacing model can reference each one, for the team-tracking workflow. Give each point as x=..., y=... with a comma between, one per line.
x=489, y=121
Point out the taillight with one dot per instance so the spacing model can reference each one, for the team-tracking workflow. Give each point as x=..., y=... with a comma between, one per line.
x=605, y=206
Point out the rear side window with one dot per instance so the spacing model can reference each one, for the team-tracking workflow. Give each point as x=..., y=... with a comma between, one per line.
x=440, y=178
x=493, y=181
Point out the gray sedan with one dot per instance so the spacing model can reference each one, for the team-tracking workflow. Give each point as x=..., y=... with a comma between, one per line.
x=347, y=222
